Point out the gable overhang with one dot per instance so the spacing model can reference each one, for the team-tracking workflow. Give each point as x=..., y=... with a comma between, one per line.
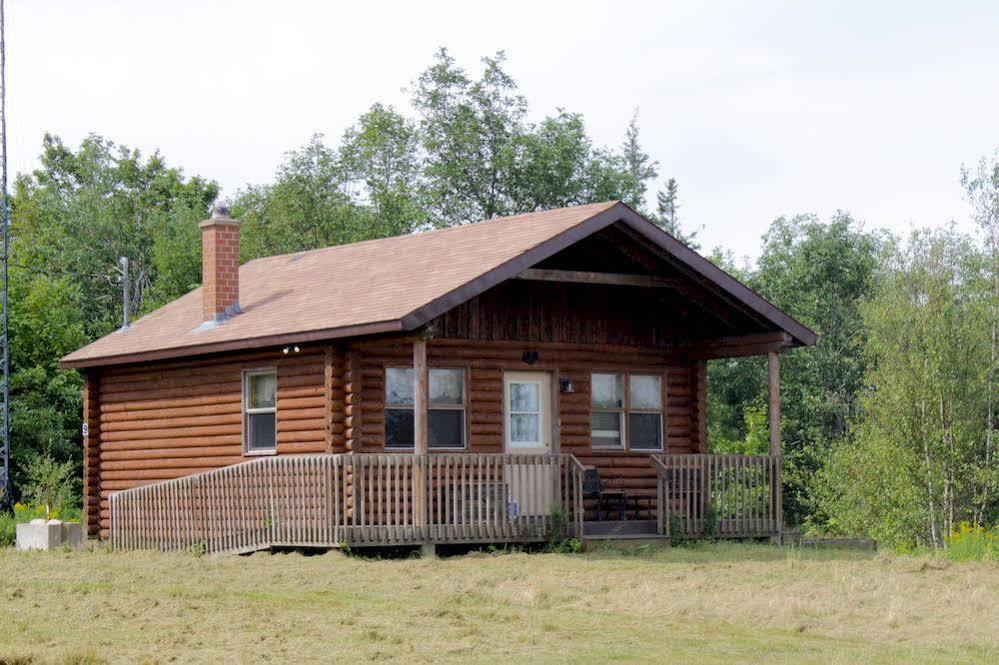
x=687, y=260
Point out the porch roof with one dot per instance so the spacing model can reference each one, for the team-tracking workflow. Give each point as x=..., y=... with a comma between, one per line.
x=396, y=284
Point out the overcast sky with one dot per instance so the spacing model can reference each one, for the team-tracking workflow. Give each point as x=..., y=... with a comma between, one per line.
x=758, y=109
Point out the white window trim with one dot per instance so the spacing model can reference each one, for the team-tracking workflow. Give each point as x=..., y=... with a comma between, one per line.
x=247, y=411
x=463, y=407
x=661, y=411
x=622, y=412
x=625, y=411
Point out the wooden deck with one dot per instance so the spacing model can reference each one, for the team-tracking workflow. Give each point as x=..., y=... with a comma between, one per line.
x=358, y=500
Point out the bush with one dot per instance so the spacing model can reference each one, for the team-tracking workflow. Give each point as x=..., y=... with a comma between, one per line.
x=52, y=488
x=7, y=529
x=969, y=542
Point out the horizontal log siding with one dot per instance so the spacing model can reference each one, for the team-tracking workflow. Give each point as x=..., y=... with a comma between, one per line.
x=171, y=419
x=485, y=363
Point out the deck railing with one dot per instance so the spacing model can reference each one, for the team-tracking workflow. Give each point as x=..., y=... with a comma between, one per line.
x=363, y=499
x=728, y=496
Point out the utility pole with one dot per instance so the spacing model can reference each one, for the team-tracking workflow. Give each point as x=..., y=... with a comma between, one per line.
x=5, y=489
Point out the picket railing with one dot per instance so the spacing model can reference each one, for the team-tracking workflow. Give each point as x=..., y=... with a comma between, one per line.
x=364, y=499
x=725, y=496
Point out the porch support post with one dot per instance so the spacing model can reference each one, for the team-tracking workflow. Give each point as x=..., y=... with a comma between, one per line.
x=420, y=396
x=420, y=431
x=773, y=366
x=776, y=486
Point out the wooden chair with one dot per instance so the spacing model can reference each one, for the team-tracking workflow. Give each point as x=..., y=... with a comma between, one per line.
x=593, y=488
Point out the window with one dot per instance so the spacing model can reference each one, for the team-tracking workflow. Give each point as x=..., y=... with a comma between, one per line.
x=445, y=415
x=607, y=417
x=645, y=412
x=631, y=418
x=260, y=411
x=525, y=413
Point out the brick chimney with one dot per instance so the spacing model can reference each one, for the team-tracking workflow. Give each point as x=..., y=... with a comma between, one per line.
x=220, y=265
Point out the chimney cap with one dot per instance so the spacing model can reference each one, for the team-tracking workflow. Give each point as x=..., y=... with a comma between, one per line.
x=220, y=217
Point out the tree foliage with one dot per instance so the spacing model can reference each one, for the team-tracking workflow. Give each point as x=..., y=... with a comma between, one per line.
x=922, y=430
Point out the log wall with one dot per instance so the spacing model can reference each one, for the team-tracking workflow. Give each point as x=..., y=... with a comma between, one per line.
x=163, y=420
x=485, y=363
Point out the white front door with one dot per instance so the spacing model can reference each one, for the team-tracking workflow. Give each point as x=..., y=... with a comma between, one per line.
x=527, y=425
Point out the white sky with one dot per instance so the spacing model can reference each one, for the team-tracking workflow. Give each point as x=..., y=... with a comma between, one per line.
x=759, y=109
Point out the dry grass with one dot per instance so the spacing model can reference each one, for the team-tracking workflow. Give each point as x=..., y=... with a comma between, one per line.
x=710, y=604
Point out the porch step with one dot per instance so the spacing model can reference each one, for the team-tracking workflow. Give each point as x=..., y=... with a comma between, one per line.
x=623, y=529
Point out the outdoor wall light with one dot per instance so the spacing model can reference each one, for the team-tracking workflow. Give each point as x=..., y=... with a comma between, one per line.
x=566, y=384
x=530, y=357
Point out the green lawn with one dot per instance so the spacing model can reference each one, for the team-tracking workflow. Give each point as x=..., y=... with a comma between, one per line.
x=705, y=604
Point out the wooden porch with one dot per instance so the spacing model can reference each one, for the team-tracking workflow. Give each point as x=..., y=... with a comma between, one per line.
x=359, y=500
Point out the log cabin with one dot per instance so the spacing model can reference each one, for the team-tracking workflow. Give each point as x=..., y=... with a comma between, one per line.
x=521, y=378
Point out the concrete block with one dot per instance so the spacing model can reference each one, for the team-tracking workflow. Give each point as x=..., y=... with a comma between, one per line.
x=72, y=534
x=41, y=534
x=38, y=535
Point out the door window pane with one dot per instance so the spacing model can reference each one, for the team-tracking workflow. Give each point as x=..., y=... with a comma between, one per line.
x=260, y=434
x=605, y=429
x=645, y=430
x=261, y=390
x=398, y=386
x=607, y=391
x=525, y=428
x=446, y=387
x=525, y=397
x=399, y=428
x=645, y=392
x=446, y=428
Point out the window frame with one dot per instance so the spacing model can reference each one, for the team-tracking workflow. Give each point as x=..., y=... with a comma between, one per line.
x=621, y=411
x=626, y=410
x=463, y=407
x=247, y=411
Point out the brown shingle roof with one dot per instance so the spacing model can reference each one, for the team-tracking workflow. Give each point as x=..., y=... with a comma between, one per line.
x=364, y=287
x=395, y=284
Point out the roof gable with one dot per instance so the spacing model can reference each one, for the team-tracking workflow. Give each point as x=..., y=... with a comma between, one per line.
x=388, y=285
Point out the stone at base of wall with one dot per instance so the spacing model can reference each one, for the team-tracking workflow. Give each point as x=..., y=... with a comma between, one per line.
x=43, y=534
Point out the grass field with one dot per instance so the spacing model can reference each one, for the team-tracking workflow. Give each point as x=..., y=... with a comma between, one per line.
x=704, y=604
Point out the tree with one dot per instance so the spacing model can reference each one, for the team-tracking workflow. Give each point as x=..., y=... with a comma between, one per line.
x=910, y=473
x=481, y=158
x=639, y=167
x=71, y=220
x=308, y=206
x=379, y=157
x=665, y=216
x=82, y=210
x=982, y=190
x=468, y=128
x=819, y=273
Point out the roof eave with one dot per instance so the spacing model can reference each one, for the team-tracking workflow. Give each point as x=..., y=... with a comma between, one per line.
x=395, y=325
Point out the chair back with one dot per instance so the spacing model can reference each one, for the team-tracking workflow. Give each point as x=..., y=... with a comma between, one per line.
x=592, y=485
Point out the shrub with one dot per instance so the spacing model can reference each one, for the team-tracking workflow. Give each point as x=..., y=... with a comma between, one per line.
x=7, y=529
x=971, y=542
x=51, y=487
